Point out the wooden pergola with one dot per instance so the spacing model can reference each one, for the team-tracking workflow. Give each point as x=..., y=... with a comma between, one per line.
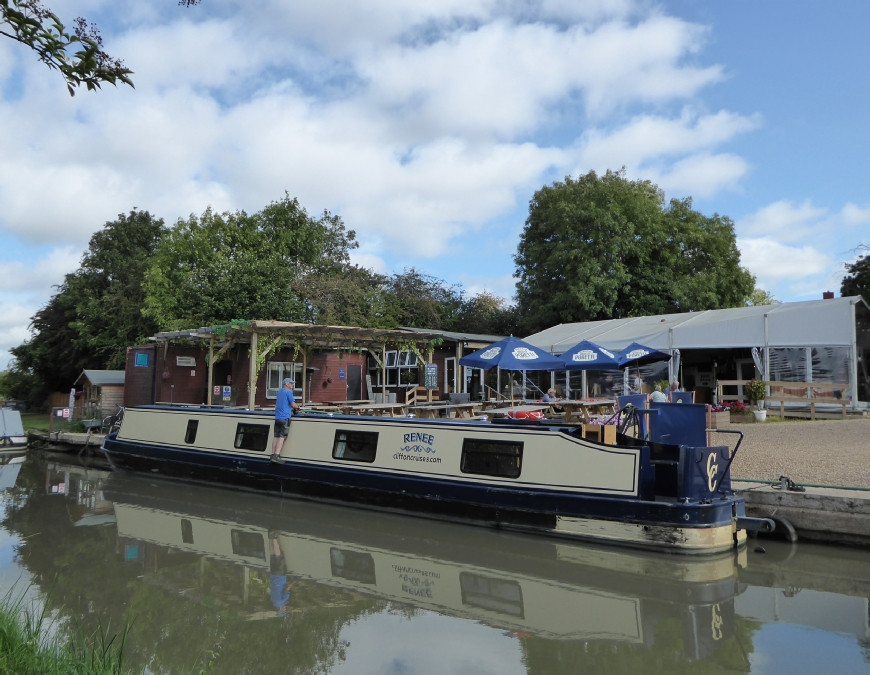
x=267, y=337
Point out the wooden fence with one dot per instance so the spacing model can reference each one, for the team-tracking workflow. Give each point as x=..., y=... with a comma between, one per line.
x=808, y=393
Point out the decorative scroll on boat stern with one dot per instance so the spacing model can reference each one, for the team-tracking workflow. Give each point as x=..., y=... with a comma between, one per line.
x=704, y=473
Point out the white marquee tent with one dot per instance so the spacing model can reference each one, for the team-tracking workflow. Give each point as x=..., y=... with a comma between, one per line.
x=832, y=323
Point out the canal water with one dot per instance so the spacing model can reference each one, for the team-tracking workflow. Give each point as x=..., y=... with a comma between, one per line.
x=230, y=582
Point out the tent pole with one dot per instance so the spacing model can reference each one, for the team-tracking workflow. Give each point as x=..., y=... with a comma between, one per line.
x=853, y=358
x=583, y=384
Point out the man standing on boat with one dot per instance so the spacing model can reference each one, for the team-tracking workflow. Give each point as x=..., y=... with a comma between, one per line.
x=284, y=407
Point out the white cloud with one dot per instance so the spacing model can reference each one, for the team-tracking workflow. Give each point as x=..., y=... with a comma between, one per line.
x=700, y=175
x=771, y=261
x=783, y=220
x=370, y=261
x=855, y=215
x=35, y=276
x=14, y=320
x=419, y=123
x=798, y=250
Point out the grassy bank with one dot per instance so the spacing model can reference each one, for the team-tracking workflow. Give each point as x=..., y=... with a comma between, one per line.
x=30, y=643
x=35, y=422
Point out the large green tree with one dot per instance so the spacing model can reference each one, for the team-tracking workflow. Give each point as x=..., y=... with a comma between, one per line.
x=602, y=247
x=96, y=312
x=857, y=279
x=218, y=267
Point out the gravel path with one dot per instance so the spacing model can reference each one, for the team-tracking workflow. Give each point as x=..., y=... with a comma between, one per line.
x=825, y=452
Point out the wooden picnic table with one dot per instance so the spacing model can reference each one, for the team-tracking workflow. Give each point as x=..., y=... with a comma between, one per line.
x=463, y=410
x=429, y=412
x=585, y=408
x=377, y=409
x=322, y=408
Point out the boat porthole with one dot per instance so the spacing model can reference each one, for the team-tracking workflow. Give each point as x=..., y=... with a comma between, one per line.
x=685, y=516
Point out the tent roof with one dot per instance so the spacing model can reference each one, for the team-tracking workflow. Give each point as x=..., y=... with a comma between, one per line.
x=789, y=324
x=101, y=378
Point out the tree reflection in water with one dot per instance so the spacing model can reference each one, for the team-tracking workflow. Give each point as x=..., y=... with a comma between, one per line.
x=185, y=610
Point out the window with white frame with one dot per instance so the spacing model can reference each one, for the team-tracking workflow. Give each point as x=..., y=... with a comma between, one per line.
x=401, y=369
x=276, y=371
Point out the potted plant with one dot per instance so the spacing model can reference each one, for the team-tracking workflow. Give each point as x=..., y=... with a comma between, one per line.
x=756, y=390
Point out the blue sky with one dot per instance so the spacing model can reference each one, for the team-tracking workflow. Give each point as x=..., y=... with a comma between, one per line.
x=428, y=126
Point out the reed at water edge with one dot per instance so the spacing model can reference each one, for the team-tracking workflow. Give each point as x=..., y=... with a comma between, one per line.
x=30, y=642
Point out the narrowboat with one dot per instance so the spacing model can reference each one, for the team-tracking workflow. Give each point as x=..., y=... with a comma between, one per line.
x=536, y=477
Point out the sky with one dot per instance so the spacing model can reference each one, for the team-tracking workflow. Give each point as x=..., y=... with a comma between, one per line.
x=428, y=126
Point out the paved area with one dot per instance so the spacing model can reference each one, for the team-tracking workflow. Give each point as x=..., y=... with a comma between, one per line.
x=824, y=452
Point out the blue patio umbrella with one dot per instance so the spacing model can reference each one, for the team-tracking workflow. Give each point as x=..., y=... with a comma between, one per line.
x=589, y=356
x=637, y=355
x=512, y=354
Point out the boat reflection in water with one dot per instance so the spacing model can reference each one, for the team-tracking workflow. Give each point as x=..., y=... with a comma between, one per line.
x=523, y=585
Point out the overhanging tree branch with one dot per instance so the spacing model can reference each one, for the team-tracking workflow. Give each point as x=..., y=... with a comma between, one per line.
x=33, y=25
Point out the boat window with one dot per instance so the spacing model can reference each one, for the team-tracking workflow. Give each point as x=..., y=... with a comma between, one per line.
x=192, y=426
x=186, y=531
x=252, y=436
x=492, y=458
x=352, y=565
x=357, y=446
x=248, y=544
x=498, y=595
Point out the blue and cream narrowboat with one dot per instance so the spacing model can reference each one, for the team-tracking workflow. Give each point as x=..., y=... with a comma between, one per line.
x=542, y=477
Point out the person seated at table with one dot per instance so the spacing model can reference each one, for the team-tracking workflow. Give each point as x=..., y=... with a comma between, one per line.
x=658, y=396
x=550, y=396
x=675, y=386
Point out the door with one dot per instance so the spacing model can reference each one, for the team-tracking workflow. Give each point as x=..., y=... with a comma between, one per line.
x=222, y=376
x=450, y=375
x=354, y=383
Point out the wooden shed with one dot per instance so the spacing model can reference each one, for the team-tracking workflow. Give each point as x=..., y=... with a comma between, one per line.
x=103, y=389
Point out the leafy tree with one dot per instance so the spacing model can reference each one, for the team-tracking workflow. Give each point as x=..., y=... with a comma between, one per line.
x=351, y=296
x=96, y=312
x=217, y=267
x=487, y=314
x=35, y=26
x=761, y=297
x=602, y=247
x=857, y=279
x=419, y=300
